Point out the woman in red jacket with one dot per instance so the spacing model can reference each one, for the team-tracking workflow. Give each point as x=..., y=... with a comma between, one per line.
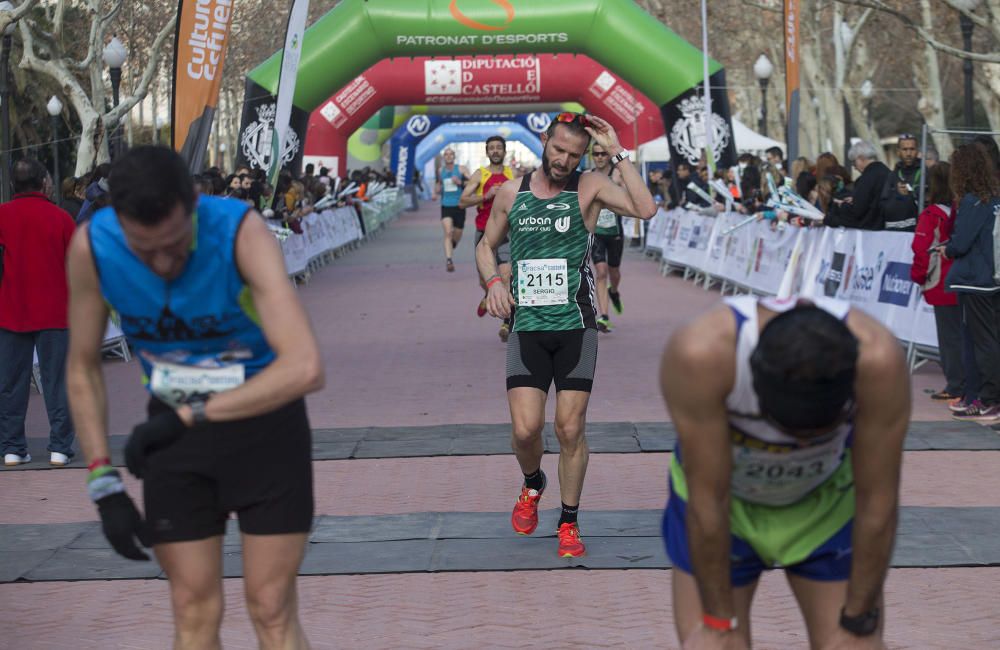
x=929, y=271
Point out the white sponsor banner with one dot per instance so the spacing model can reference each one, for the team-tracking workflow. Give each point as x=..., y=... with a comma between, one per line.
x=321, y=233
x=870, y=269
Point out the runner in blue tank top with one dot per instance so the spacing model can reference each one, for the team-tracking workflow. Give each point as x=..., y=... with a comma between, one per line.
x=448, y=185
x=227, y=355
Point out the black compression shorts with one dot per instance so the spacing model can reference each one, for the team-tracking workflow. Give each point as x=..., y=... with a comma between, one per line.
x=608, y=248
x=260, y=468
x=456, y=214
x=535, y=359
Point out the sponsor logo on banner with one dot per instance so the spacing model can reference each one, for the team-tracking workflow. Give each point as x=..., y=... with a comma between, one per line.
x=483, y=80
x=896, y=286
x=355, y=95
x=402, y=164
x=688, y=134
x=255, y=141
x=562, y=224
x=538, y=122
x=475, y=24
x=862, y=282
x=443, y=77
x=418, y=125
x=834, y=276
x=332, y=114
x=602, y=84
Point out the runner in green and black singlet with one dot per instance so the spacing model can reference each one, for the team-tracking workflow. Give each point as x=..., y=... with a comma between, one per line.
x=550, y=216
x=550, y=261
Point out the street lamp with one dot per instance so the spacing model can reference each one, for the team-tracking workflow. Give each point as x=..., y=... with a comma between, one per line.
x=8, y=34
x=763, y=69
x=114, y=56
x=967, y=25
x=867, y=92
x=54, y=107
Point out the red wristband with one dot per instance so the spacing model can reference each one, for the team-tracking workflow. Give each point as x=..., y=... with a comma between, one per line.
x=493, y=280
x=719, y=624
x=98, y=462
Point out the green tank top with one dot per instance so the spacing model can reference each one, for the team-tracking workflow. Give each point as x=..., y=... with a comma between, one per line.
x=550, y=259
x=609, y=224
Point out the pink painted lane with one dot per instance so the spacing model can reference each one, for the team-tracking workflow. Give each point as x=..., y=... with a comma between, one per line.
x=926, y=609
x=403, y=346
x=491, y=483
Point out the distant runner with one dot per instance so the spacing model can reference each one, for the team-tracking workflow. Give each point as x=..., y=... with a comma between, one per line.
x=480, y=192
x=550, y=215
x=609, y=243
x=448, y=186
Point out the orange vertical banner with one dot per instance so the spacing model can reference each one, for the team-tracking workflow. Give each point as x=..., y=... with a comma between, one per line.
x=199, y=53
x=792, y=99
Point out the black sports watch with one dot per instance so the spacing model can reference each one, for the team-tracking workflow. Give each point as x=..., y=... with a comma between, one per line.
x=198, y=411
x=864, y=624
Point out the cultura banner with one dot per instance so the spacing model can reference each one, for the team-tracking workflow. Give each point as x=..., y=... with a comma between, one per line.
x=199, y=54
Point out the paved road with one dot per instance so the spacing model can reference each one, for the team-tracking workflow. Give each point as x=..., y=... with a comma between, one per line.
x=403, y=347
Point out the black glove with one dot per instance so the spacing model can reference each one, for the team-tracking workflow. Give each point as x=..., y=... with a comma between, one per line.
x=157, y=432
x=122, y=524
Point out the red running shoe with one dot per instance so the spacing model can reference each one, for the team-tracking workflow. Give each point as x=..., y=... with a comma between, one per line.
x=481, y=309
x=570, y=544
x=524, y=519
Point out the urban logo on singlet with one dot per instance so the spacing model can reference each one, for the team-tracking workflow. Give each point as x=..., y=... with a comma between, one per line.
x=550, y=252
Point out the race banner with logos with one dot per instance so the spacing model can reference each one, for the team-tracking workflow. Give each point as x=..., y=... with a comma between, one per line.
x=791, y=16
x=199, y=54
x=503, y=79
x=686, y=117
x=869, y=269
x=281, y=134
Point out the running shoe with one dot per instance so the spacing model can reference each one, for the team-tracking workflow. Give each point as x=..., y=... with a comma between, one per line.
x=504, y=332
x=604, y=324
x=616, y=300
x=943, y=395
x=524, y=519
x=57, y=459
x=11, y=460
x=958, y=404
x=449, y=265
x=481, y=310
x=570, y=544
x=978, y=412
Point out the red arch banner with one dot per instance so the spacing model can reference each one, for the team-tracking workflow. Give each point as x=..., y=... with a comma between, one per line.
x=502, y=79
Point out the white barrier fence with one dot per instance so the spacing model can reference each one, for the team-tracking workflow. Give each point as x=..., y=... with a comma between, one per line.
x=870, y=269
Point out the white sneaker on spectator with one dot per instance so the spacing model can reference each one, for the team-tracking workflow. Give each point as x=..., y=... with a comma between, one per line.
x=57, y=459
x=10, y=460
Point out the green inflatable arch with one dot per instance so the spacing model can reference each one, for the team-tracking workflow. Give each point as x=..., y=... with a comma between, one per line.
x=617, y=33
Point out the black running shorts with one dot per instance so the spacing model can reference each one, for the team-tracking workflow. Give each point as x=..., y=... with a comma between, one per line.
x=608, y=248
x=456, y=214
x=503, y=252
x=260, y=468
x=535, y=359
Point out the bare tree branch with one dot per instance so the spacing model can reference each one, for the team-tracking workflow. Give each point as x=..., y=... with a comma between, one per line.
x=114, y=115
x=8, y=17
x=925, y=34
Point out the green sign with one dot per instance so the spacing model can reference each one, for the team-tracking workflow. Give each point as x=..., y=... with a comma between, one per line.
x=617, y=33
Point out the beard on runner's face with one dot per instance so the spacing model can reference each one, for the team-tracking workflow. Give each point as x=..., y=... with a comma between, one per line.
x=551, y=170
x=496, y=157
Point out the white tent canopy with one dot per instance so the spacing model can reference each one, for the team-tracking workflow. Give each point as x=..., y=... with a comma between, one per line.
x=746, y=140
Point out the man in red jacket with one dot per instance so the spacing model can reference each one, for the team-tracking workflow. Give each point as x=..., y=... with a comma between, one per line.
x=34, y=237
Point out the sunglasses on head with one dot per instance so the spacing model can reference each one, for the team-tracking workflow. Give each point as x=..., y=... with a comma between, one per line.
x=574, y=117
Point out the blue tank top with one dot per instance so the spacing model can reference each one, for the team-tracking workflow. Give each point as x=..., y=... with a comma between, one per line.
x=451, y=186
x=203, y=318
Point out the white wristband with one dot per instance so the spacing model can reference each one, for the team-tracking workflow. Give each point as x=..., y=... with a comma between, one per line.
x=622, y=155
